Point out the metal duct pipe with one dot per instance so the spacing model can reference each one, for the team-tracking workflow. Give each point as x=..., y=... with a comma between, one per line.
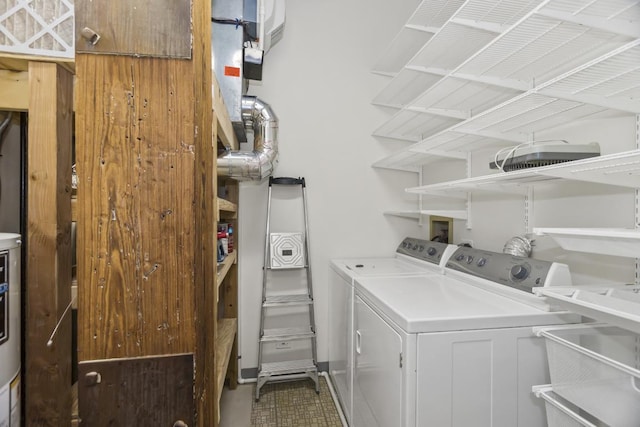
x=259, y=163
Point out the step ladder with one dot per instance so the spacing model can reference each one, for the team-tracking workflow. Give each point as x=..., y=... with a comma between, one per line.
x=286, y=251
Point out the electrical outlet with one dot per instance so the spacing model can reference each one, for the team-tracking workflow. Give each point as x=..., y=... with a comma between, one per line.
x=281, y=345
x=466, y=241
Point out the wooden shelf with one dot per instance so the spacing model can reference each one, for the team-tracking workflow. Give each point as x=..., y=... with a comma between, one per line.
x=225, y=337
x=224, y=266
x=226, y=135
x=226, y=206
x=74, y=208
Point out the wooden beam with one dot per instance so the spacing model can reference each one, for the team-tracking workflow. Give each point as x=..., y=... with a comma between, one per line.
x=48, y=272
x=205, y=209
x=14, y=90
x=146, y=209
x=135, y=159
x=20, y=62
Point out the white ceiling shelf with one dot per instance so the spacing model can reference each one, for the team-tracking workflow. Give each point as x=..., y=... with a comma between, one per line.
x=583, y=58
x=612, y=80
x=401, y=50
x=410, y=161
x=609, y=82
x=428, y=18
x=451, y=141
x=413, y=126
x=464, y=96
x=517, y=119
x=608, y=241
x=440, y=52
x=476, y=23
x=455, y=214
x=539, y=48
x=620, y=169
x=404, y=87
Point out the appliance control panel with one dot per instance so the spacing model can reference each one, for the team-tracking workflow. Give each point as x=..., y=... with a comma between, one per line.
x=423, y=250
x=4, y=297
x=516, y=272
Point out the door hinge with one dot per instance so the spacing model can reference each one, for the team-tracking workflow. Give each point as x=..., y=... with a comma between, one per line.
x=401, y=360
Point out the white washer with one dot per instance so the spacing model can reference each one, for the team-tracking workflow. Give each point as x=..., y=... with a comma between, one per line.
x=413, y=257
x=456, y=349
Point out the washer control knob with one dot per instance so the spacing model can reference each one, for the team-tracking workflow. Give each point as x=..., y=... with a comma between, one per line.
x=460, y=257
x=469, y=259
x=432, y=251
x=519, y=272
x=421, y=248
x=482, y=262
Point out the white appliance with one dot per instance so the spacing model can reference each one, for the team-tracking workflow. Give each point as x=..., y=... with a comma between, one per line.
x=456, y=349
x=10, y=330
x=271, y=23
x=413, y=257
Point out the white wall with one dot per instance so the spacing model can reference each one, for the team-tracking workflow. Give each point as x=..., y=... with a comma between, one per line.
x=317, y=79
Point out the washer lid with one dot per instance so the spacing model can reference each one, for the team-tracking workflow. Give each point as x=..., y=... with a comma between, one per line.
x=441, y=303
x=378, y=267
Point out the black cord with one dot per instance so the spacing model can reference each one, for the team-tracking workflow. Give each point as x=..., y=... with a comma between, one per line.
x=238, y=23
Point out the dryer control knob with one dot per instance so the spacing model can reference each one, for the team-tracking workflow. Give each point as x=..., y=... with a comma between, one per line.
x=432, y=251
x=519, y=272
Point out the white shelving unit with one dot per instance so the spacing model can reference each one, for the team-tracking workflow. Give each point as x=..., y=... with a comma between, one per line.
x=610, y=241
x=537, y=74
x=620, y=169
x=427, y=20
x=455, y=214
x=500, y=72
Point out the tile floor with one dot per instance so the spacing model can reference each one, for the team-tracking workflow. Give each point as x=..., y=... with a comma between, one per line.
x=286, y=404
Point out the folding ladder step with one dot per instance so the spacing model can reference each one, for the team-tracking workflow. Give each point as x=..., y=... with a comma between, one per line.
x=282, y=334
x=288, y=367
x=287, y=300
x=298, y=267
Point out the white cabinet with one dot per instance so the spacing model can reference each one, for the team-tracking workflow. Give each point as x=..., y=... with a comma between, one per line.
x=483, y=369
x=378, y=379
x=499, y=73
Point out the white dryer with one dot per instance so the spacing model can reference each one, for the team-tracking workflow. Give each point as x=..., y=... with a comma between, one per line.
x=455, y=349
x=413, y=257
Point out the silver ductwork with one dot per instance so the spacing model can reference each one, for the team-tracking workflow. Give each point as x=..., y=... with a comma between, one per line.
x=258, y=118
